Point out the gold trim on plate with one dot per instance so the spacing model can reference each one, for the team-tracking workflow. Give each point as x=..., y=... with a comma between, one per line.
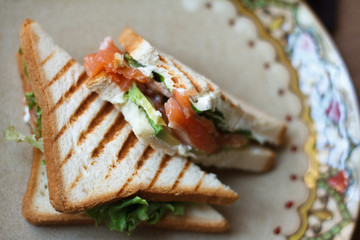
x=312, y=174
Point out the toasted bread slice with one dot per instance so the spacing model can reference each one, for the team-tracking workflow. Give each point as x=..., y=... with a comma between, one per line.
x=36, y=206
x=91, y=153
x=237, y=114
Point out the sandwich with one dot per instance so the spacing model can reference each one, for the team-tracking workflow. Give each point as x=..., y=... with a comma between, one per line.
x=37, y=208
x=95, y=163
x=175, y=109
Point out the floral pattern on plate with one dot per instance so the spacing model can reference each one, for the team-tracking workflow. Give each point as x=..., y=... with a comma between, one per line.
x=331, y=211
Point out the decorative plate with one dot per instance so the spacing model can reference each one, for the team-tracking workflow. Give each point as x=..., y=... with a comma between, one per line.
x=273, y=54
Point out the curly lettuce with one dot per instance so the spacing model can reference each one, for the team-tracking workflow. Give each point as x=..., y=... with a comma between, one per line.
x=218, y=119
x=11, y=134
x=31, y=101
x=127, y=214
x=24, y=63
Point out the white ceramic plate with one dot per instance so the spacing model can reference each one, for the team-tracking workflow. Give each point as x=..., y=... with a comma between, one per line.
x=273, y=54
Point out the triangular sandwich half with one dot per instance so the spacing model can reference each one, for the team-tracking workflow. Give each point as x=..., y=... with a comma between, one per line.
x=38, y=211
x=173, y=108
x=36, y=204
x=92, y=156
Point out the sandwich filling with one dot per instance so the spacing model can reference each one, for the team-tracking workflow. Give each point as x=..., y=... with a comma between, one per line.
x=33, y=112
x=170, y=112
x=124, y=215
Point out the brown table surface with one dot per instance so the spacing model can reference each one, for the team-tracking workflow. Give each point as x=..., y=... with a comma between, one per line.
x=347, y=39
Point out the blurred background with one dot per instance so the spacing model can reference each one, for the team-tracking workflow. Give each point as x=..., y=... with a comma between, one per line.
x=342, y=19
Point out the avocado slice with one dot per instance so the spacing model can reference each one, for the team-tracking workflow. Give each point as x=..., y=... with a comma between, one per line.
x=141, y=100
x=155, y=120
x=166, y=136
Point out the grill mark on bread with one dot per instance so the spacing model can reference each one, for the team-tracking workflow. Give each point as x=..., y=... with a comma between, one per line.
x=181, y=174
x=226, y=99
x=167, y=68
x=62, y=71
x=191, y=79
x=211, y=87
x=49, y=57
x=73, y=185
x=78, y=112
x=179, y=85
x=129, y=40
x=175, y=80
x=100, y=116
x=171, y=72
x=81, y=79
x=164, y=162
x=145, y=156
x=200, y=182
x=162, y=59
x=68, y=156
x=139, y=164
x=130, y=141
x=110, y=134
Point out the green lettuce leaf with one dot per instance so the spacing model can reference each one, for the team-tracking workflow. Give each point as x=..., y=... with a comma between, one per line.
x=245, y=132
x=216, y=117
x=25, y=67
x=31, y=101
x=25, y=70
x=11, y=134
x=132, y=62
x=127, y=214
x=158, y=77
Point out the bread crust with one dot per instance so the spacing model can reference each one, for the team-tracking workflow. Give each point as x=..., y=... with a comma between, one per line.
x=29, y=212
x=33, y=216
x=130, y=40
x=28, y=42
